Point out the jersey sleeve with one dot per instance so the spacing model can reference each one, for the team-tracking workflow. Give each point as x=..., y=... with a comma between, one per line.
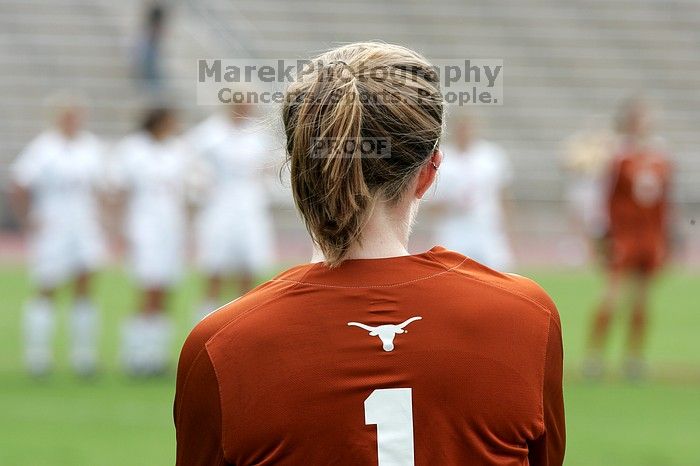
x=100, y=173
x=447, y=187
x=118, y=166
x=197, y=409
x=613, y=182
x=505, y=172
x=204, y=137
x=548, y=449
x=666, y=209
x=25, y=170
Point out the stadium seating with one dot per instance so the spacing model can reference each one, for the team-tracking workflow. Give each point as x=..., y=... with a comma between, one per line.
x=564, y=63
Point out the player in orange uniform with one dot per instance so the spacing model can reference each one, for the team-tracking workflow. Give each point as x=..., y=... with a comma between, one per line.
x=638, y=234
x=369, y=355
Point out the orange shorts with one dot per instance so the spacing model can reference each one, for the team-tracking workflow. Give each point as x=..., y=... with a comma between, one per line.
x=635, y=255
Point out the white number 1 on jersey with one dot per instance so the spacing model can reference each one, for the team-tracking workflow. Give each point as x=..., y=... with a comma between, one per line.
x=391, y=409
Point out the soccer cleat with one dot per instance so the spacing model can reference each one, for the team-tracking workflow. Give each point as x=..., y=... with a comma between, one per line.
x=635, y=369
x=593, y=368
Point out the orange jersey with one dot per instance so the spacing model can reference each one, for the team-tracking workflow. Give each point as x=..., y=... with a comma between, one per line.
x=638, y=206
x=639, y=195
x=430, y=359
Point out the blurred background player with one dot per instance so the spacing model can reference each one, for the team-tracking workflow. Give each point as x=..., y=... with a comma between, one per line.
x=56, y=179
x=637, y=207
x=151, y=170
x=470, y=192
x=234, y=227
x=588, y=154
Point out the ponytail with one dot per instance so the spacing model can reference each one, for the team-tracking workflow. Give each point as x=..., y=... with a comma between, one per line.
x=332, y=115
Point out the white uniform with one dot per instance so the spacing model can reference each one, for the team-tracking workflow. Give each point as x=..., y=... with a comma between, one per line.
x=471, y=184
x=62, y=176
x=588, y=156
x=154, y=174
x=234, y=228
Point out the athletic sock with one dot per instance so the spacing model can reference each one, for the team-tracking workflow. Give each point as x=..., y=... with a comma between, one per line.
x=134, y=346
x=146, y=344
x=84, y=328
x=39, y=328
x=159, y=334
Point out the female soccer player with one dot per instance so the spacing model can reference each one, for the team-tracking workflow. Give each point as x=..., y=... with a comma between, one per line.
x=369, y=355
x=234, y=230
x=151, y=169
x=56, y=184
x=637, y=207
x=477, y=172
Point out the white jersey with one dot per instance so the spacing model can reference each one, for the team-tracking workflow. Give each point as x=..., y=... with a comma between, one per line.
x=235, y=159
x=154, y=174
x=63, y=176
x=234, y=226
x=588, y=156
x=471, y=185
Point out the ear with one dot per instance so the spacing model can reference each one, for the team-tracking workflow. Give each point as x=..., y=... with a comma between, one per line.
x=427, y=174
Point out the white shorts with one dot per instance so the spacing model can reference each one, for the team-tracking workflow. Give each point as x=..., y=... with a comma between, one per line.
x=587, y=204
x=229, y=243
x=59, y=255
x=157, y=257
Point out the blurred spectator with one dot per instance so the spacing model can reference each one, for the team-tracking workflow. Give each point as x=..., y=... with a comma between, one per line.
x=147, y=56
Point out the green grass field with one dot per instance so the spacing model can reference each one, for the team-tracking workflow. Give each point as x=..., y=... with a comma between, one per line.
x=114, y=421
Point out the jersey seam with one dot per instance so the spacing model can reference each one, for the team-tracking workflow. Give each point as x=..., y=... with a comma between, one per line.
x=518, y=294
x=205, y=352
x=544, y=375
x=220, y=401
x=390, y=285
x=248, y=311
x=546, y=351
x=216, y=371
x=512, y=292
x=447, y=267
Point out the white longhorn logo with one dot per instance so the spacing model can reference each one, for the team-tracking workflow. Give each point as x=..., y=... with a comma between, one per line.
x=386, y=332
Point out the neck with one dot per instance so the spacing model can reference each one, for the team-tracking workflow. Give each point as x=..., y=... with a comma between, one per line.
x=68, y=135
x=158, y=136
x=638, y=141
x=385, y=234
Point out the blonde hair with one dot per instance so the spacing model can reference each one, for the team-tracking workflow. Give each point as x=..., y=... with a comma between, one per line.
x=358, y=96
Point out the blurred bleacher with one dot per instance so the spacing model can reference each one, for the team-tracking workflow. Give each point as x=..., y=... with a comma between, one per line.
x=563, y=63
